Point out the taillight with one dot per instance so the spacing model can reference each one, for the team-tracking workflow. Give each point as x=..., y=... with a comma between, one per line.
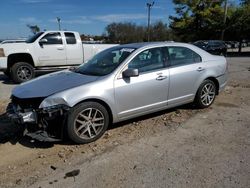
x=2, y=52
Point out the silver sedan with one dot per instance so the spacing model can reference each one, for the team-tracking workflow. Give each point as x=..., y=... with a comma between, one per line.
x=117, y=84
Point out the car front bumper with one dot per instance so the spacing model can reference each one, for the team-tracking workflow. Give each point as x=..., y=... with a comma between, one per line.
x=29, y=116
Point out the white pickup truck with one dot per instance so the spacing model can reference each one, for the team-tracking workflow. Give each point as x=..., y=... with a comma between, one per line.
x=45, y=51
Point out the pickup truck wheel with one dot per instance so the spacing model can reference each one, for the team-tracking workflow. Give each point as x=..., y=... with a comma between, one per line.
x=22, y=72
x=206, y=94
x=87, y=122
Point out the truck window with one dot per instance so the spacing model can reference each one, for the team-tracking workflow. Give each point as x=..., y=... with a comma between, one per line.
x=53, y=38
x=70, y=38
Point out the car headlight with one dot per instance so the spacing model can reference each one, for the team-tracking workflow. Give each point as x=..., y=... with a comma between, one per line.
x=2, y=52
x=51, y=102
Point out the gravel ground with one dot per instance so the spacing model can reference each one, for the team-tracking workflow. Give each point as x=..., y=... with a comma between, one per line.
x=182, y=147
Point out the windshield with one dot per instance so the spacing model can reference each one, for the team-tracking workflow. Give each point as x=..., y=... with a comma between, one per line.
x=34, y=37
x=105, y=62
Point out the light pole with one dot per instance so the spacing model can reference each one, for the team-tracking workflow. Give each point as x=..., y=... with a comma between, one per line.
x=59, y=23
x=149, y=5
x=224, y=21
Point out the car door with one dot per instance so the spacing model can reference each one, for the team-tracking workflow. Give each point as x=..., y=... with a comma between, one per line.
x=185, y=69
x=147, y=92
x=74, y=50
x=51, y=50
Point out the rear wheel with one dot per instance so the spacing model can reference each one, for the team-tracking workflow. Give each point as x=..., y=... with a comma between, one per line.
x=22, y=72
x=87, y=122
x=206, y=94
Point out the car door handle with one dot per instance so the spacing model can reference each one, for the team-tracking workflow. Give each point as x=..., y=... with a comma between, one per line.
x=200, y=69
x=160, y=77
x=60, y=48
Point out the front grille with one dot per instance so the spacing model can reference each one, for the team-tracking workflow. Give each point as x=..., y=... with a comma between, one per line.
x=28, y=102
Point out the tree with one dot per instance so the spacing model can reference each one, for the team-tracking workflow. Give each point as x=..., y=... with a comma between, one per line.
x=245, y=2
x=125, y=33
x=33, y=28
x=197, y=19
x=129, y=32
x=238, y=26
x=160, y=32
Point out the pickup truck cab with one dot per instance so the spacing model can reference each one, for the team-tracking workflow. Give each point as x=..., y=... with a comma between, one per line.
x=45, y=51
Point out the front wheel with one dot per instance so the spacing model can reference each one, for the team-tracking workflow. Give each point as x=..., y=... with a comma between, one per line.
x=22, y=72
x=206, y=94
x=87, y=122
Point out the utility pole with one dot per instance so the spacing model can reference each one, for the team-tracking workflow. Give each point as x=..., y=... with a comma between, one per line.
x=149, y=5
x=224, y=20
x=59, y=23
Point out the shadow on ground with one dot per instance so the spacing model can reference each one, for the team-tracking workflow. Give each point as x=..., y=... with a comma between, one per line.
x=153, y=115
x=5, y=80
x=13, y=133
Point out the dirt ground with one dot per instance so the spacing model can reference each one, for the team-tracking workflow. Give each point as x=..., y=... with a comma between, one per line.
x=182, y=147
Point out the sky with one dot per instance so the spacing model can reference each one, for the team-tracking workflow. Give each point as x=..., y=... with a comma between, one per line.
x=85, y=16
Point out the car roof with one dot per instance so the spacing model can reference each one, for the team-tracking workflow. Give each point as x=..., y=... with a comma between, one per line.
x=144, y=45
x=153, y=44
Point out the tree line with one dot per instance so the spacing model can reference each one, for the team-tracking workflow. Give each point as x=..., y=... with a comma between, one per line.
x=194, y=20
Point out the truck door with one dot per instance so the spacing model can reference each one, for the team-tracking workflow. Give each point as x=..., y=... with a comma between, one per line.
x=74, y=49
x=50, y=50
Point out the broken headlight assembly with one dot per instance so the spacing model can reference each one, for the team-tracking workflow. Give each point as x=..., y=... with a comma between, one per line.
x=58, y=109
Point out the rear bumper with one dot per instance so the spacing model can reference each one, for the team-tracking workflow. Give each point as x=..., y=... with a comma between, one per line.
x=222, y=81
x=3, y=63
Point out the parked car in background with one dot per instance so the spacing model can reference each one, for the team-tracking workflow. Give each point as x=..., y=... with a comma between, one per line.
x=117, y=84
x=45, y=51
x=229, y=44
x=216, y=47
x=234, y=44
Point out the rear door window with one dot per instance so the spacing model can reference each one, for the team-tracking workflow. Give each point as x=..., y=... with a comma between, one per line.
x=70, y=38
x=182, y=56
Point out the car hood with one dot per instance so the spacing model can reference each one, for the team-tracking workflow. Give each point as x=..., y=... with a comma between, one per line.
x=50, y=84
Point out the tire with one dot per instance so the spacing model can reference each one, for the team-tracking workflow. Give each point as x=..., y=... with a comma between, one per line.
x=22, y=72
x=205, y=95
x=81, y=119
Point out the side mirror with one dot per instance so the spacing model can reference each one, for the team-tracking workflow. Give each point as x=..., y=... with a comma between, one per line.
x=130, y=73
x=43, y=41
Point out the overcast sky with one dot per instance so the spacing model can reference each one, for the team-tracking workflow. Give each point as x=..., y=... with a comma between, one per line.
x=84, y=16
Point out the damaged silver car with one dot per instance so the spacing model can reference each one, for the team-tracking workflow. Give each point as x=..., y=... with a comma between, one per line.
x=117, y=84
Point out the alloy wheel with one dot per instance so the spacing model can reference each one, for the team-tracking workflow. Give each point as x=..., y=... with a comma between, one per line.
x=208, y=94
x=89, y=123
x=24, y=73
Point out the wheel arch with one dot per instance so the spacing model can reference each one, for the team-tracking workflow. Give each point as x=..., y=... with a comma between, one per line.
x=19, y=57
x=216, y=82
x=102, y=103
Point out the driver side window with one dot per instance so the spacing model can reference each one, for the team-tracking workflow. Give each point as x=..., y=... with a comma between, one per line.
x=148, y=60
x=53, y=38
